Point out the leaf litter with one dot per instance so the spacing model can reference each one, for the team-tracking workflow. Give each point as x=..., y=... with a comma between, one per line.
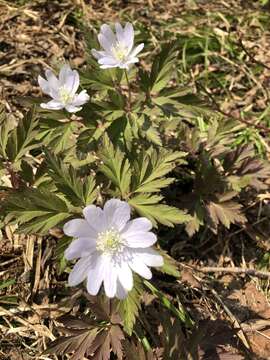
x=33, y=298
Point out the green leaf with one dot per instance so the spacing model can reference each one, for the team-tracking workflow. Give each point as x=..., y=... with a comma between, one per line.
x=115, y=167
x=79, y=191
x=35, y=210
x=170, y=266
x=151, y=168
x=149, y=207
x=129, y=308
x=162, y=67
x=6, y=126
x=23, y=138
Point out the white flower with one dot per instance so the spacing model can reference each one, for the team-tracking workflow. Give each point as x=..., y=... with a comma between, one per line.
x=110, y=246
x=63, y=90
x=117, y=49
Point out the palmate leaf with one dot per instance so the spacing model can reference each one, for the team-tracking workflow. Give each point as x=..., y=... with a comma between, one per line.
x=115, y=167
x=80, y=192
x=162, y=67
x=129, y=308
x=149, y=206
x=23, y=138
x=151, y=168
x=87, y=337
x=6, y=126
x=35, y=210
x=224, y=211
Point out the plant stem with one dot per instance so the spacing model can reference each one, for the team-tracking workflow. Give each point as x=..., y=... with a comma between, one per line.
x=129, y=91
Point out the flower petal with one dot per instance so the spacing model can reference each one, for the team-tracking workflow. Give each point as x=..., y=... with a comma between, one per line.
x=117, y=213
x=96, y=276
x=79, y=272
x=129, y=36
x=80, y=247
x=110, y=280
x=80, y=99
x=108, y=33
x=105, y=43
x=79, y=228
x=72, y=109
x=141, y=224
x=136, y=50
x=140, y=239
x=69, y=79
x=149, y=257
x=44, y=84
x=108, y=60
x=52, y=105
x=52, y=79
x=121, y=293
x=139, y=267
x=125, y=276
x=95, y=218
x=97, y=54
x=119, y=33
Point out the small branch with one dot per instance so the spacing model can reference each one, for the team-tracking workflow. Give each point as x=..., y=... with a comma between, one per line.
x=251, y=56
x=234, y=270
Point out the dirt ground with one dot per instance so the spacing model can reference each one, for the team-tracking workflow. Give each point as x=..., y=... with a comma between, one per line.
x=231, y=309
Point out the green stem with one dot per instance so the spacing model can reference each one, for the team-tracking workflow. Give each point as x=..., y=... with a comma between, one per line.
x=129, y=90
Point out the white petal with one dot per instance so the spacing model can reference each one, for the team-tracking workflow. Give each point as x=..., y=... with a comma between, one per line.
x=52, y=79
x=108, y=60
x=132, y=60
x=79, y=272
x=109, y=66
x=136, y=50
x=117, y=213
x=119, y=33
x=95, y=217
x=141, y=224
x=79, y=228
x=96, y=276
x=110, y=280
x=139, y=267
x=97, y=54
x=44, y=85
x=140, y=239
x=72, y=109
x=121, y=293
x=80, y=99
x=108, y=33
x=125, y=276
x=80, y=247
x=52, y=105
x=69, y=78
x=129, y=36
x=105, y=43
x=149, y=257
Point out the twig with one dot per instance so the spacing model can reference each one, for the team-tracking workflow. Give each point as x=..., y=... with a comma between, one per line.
x=251, y=56
x=234, y=270
x=230, y=115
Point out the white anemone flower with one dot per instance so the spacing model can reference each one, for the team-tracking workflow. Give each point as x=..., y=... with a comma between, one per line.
x=117, y=48
x=63, y=90
x=110, y=246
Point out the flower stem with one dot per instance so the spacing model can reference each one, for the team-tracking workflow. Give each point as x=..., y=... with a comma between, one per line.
x=129, y=91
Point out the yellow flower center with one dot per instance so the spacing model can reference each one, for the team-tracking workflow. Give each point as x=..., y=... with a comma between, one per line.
x=65, y=95
x=109, y=241
x=119, y=51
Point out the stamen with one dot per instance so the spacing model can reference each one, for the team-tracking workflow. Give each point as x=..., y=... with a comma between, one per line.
x=109, y=241
x=65, y=95
x=119, y=51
